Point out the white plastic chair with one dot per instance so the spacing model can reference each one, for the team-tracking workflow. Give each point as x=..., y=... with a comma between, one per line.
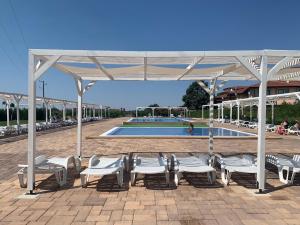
x=103, y=166
x=285, y=164
x=148, y=165
x=193, y=164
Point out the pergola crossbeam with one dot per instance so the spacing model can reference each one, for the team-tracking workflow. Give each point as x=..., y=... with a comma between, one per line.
x=101, y=68
x=190, y=67
x=253, y=70
x=44, y=67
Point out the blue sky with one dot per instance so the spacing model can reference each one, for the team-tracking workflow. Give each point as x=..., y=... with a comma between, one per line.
x=136, y=25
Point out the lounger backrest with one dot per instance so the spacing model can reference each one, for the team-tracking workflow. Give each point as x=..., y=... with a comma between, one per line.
x=40, y=159
x=272, y=159
x=296, y=158
x=251, y=158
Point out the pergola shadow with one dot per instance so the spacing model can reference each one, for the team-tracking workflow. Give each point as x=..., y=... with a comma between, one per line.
x=199, y=181
x=50, y=184
x=157, y=182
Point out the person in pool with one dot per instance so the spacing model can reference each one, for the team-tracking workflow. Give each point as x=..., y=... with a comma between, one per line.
x=191, y=128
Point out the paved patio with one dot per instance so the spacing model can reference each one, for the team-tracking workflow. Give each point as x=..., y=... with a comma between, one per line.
x=193, y=202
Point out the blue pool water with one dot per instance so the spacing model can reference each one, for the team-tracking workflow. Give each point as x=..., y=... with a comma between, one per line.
x=172, y=131
x=158, y=120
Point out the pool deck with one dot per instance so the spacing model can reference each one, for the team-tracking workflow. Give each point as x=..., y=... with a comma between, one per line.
x=193, y=202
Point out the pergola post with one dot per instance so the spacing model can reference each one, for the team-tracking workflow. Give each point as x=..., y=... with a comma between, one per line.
x=72, y=112
x=35, y=70
x=64, y=111
x=79, y=116
x=17, y=100
x=101, y=111
x=211, y=116
x=169, y=111
x=262, y=123
x=202, y=111
x=238, y=113
x=94, y=113
x=218, y=112
x=250, y=112
x=230, y=118
x=153, y=112
x=50, y=112
x=222, y=112
x=46, y=111
x=7, y=112
x=242, y=110
x=272, y=105
x=31, y=123
x=136, y=112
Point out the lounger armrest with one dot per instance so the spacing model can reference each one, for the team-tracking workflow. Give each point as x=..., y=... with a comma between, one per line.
x=93, y=161
x=165, y=160
x=121, y=162
x=134, y=161
x=211, y=160
x=174, y=162
x=219, y=157
x=22, y=165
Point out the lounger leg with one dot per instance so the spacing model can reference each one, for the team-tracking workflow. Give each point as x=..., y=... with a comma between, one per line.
x=77, y=164
x=83, y=180
x=281, y=175
x=177, y=177
x=211, y=177
x=120, y=178
x=132, y=176
x=58, y=177
x=21, y=180
x=64, y=173
x=293, y=177
x=228, y=177
x=224, y=176
x=167, y=177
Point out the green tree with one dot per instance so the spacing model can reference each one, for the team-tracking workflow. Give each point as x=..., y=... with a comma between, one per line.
x=195, y=96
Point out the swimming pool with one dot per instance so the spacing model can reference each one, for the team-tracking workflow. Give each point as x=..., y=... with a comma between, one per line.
x=158, y=120
x=172, y=132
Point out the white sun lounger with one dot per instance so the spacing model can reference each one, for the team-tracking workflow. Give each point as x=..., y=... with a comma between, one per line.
x=287, y=164
x=293, y=130
x=240, y=163
x=55, y=165
x=193, y=164
x=148, y=165
x=103, y=166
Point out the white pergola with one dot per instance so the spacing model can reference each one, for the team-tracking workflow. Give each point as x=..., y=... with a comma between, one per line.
x=261, y=65
x=169, y=108
x=17, y=98
x=240, y=103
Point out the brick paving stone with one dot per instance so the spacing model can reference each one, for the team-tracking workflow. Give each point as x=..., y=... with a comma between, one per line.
x=55, y=220
x=192, y=202
x=123, y=223
x=83, y=223
x=36, y=223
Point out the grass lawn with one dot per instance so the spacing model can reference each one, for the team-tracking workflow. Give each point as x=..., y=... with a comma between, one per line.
x=164, y=125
